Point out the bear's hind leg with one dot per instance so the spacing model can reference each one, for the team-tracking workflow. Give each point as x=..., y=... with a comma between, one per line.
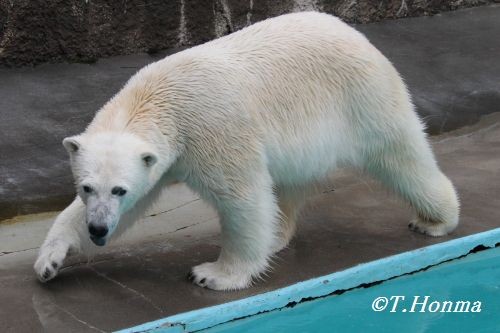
x=249, y=223
x=290, y=200
x=408, y=167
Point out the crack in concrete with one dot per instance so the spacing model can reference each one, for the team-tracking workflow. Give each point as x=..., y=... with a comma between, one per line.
x=46, y=309
x=191, y=225
x=124, y=286
x=88, y=262
x=3, y=253
x=171, y=209
x=72, y=315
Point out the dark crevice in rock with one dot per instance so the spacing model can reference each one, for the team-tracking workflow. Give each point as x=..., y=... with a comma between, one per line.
x=32, y=32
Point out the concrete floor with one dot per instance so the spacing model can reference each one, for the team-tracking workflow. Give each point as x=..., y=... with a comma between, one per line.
x=143, y=277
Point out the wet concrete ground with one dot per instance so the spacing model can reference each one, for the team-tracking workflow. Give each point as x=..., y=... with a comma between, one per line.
x=144, y=277
x=449, y=61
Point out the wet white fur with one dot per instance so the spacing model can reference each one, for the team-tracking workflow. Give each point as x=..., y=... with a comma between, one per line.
x=250, y=121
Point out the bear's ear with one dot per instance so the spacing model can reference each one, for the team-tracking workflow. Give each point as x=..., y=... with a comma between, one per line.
x=72, y=144
x=149, y=159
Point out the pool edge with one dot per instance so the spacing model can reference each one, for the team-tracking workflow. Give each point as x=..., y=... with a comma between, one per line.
x=362, y=274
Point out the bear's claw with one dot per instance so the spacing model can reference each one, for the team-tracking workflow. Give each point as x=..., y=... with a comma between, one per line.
x=428, y=228
x=211, y=275
x=50, y=260
x=413, y=226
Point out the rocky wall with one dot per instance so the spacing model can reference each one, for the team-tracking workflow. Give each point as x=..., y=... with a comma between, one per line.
x=33, y=32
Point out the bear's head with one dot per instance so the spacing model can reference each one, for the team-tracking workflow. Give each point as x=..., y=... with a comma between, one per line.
x=112, y=172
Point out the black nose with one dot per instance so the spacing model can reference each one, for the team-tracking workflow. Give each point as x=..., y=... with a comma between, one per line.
x=98, y=230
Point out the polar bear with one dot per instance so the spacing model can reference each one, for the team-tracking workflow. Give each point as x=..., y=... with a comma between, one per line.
x=250, y=121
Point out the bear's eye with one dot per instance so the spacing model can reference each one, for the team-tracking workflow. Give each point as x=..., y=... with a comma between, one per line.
x=117, y=190
x=87, y=189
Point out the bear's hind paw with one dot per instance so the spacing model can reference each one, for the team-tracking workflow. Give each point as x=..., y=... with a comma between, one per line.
x=211, y=275
x=427, y=228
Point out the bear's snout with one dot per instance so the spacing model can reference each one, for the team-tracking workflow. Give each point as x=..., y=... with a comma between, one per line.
x=97, y=234
x=98, y=230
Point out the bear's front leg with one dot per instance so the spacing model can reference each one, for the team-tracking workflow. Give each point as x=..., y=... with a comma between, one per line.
x=68, y=233
x=249, y=226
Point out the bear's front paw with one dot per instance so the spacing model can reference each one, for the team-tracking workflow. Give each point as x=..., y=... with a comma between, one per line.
x=211, y=275
x=50, y=260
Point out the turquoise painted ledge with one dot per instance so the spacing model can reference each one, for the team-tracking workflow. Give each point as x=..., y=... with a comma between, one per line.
x=378, y=270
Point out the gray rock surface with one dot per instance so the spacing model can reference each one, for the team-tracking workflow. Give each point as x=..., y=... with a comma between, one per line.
x=32, y=32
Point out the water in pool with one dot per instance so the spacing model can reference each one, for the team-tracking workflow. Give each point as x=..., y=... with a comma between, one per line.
x=473, y=278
